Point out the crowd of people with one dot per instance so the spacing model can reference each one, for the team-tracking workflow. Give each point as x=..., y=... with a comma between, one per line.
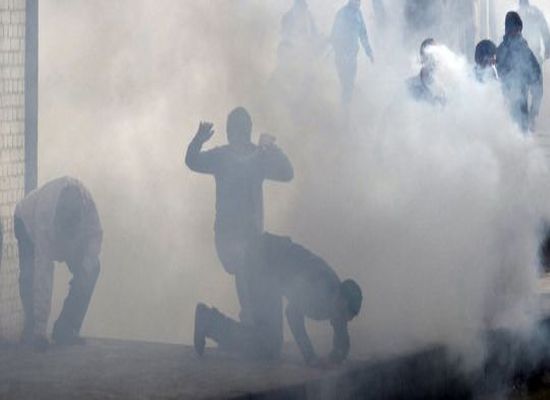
x=516, y=62
x=59, y=221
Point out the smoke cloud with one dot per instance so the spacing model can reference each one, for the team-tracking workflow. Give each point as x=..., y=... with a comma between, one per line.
x=436, y=212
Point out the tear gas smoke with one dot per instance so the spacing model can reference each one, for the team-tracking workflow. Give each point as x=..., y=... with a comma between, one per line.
x=436, y=212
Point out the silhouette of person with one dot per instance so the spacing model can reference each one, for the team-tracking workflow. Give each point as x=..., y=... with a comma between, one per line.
x=312, y=290
x=239, y=169
x=348, y=30
x=57, y=222
x=520, y=74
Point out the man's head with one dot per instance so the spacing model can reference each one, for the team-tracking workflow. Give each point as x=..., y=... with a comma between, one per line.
x=486, y=54
x=355, y=3
x=350, y=299
x=239, y=126
x=513, y=24
x=426, y=57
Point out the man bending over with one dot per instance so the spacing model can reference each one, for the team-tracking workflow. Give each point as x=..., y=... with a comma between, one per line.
x=313, y=290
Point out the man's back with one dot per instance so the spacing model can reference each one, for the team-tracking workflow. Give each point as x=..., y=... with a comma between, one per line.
x=517, y=66
x=306, y=280
x=38, y=209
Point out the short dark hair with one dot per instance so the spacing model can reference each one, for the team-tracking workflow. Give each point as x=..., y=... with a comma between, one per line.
x=513, y=23
x=351, y=292
x=425, y=44
x=484, y=49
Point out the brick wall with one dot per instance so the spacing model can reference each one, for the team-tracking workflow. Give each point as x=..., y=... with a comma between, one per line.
x=12, y=154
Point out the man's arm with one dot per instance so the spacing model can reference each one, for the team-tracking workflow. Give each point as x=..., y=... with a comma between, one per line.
x=202, y=161
x=341, y=342
x=364, y=37
x=276, y=165
x=296, y=322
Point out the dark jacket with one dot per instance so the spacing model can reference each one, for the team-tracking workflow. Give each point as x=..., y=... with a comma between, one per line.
x=239, y=175
x=311, y=288
x=521, y=75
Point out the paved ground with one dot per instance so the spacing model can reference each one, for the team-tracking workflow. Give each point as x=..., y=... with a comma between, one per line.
x=110, y=369
x=114, y=369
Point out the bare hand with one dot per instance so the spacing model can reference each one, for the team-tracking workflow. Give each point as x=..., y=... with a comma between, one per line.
x=205, y=131
x=266, y=140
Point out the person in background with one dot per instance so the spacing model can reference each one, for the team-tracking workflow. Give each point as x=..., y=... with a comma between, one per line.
x=535, y=30
x=380, y=13
x=348, y=30
x=486, y=60
x=422, y=87
x=299, y=33
x=57, y=222
x=520, y=74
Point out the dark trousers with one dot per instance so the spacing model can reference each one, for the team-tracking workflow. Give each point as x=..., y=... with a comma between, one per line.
x=261, y=334
x=346, y=65
x=233, y=253
x=80, y=292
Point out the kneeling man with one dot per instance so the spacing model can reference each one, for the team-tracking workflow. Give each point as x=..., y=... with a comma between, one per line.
x=312, y=289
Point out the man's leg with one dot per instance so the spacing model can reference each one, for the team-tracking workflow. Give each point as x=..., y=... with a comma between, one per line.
x=265, y=299
x=347, y=71
x=262, y=335
x=25, y=249
x=67, y=327
x=232, y=336
x=232, y=254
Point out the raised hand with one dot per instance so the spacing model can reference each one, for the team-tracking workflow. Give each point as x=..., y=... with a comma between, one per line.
x=205, y=131
x=266, y=140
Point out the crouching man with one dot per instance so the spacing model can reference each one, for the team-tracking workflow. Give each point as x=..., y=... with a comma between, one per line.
x=56, y=222
x=312, y=289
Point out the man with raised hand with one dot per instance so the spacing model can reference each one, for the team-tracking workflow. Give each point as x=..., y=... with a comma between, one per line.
x=57, y=222
x=239, y=169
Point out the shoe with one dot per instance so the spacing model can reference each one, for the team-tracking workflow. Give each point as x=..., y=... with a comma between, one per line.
x=201, y=322
x=65, y=336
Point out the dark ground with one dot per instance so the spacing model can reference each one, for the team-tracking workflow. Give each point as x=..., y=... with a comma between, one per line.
x=113, y=369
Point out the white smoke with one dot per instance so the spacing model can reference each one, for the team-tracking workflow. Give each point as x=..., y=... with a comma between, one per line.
x=434, y=211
